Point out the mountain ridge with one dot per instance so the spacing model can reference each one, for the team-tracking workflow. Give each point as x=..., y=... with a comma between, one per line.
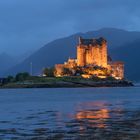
x=61, y=49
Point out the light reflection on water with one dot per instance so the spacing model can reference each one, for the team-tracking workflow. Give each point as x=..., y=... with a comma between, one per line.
x=95, y=113
x=82, y=114
x=95, y=118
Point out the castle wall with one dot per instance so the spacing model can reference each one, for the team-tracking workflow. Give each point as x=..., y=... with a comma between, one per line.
x=92, y=55
x=103, y=52
x=81, y=56
x=59, y=70
x=96, y=56
x=71, y=63
x=88, y=55
x=117, y=69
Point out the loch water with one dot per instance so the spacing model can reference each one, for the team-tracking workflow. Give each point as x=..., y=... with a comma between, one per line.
x=70, y=113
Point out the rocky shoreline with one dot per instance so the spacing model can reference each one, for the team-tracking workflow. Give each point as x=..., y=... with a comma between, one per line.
x=69, y=84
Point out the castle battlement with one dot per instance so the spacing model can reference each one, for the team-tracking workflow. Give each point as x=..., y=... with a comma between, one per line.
x=93, y=42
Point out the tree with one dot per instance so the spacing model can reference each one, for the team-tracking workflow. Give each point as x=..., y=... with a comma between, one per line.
x=67, y=71
x=49, y=72
x=10, y=79
x=22, y=76
x=80, y=71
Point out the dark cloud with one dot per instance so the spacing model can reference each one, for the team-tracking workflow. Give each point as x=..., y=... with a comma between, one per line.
x=29, y=24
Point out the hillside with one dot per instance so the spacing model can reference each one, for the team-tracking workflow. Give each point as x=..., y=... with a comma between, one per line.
x=130, y=54
x=60, y=50
x=6, y=62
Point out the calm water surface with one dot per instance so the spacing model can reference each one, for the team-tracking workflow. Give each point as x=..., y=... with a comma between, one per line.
x=70, y=113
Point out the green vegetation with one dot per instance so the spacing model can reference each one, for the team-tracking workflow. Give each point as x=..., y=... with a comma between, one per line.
x=22, y=76
x=67, y=71
x=10, y=79
x=25, y=80
x=49, y=72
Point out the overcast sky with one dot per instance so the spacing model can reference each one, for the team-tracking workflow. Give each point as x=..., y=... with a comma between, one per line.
x=29, y=24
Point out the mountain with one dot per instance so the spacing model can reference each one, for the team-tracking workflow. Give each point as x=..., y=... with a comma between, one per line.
x=22, y=56
x=130, y=54
x=60, y=50
x=6, y=62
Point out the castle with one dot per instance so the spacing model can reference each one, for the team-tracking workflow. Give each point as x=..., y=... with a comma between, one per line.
x=92, y=60
x=92, y=52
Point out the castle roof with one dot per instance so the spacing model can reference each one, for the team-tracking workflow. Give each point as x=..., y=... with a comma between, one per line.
x=93, y=42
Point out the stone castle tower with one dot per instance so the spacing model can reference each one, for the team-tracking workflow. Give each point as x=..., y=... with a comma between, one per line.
x=92, y=52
